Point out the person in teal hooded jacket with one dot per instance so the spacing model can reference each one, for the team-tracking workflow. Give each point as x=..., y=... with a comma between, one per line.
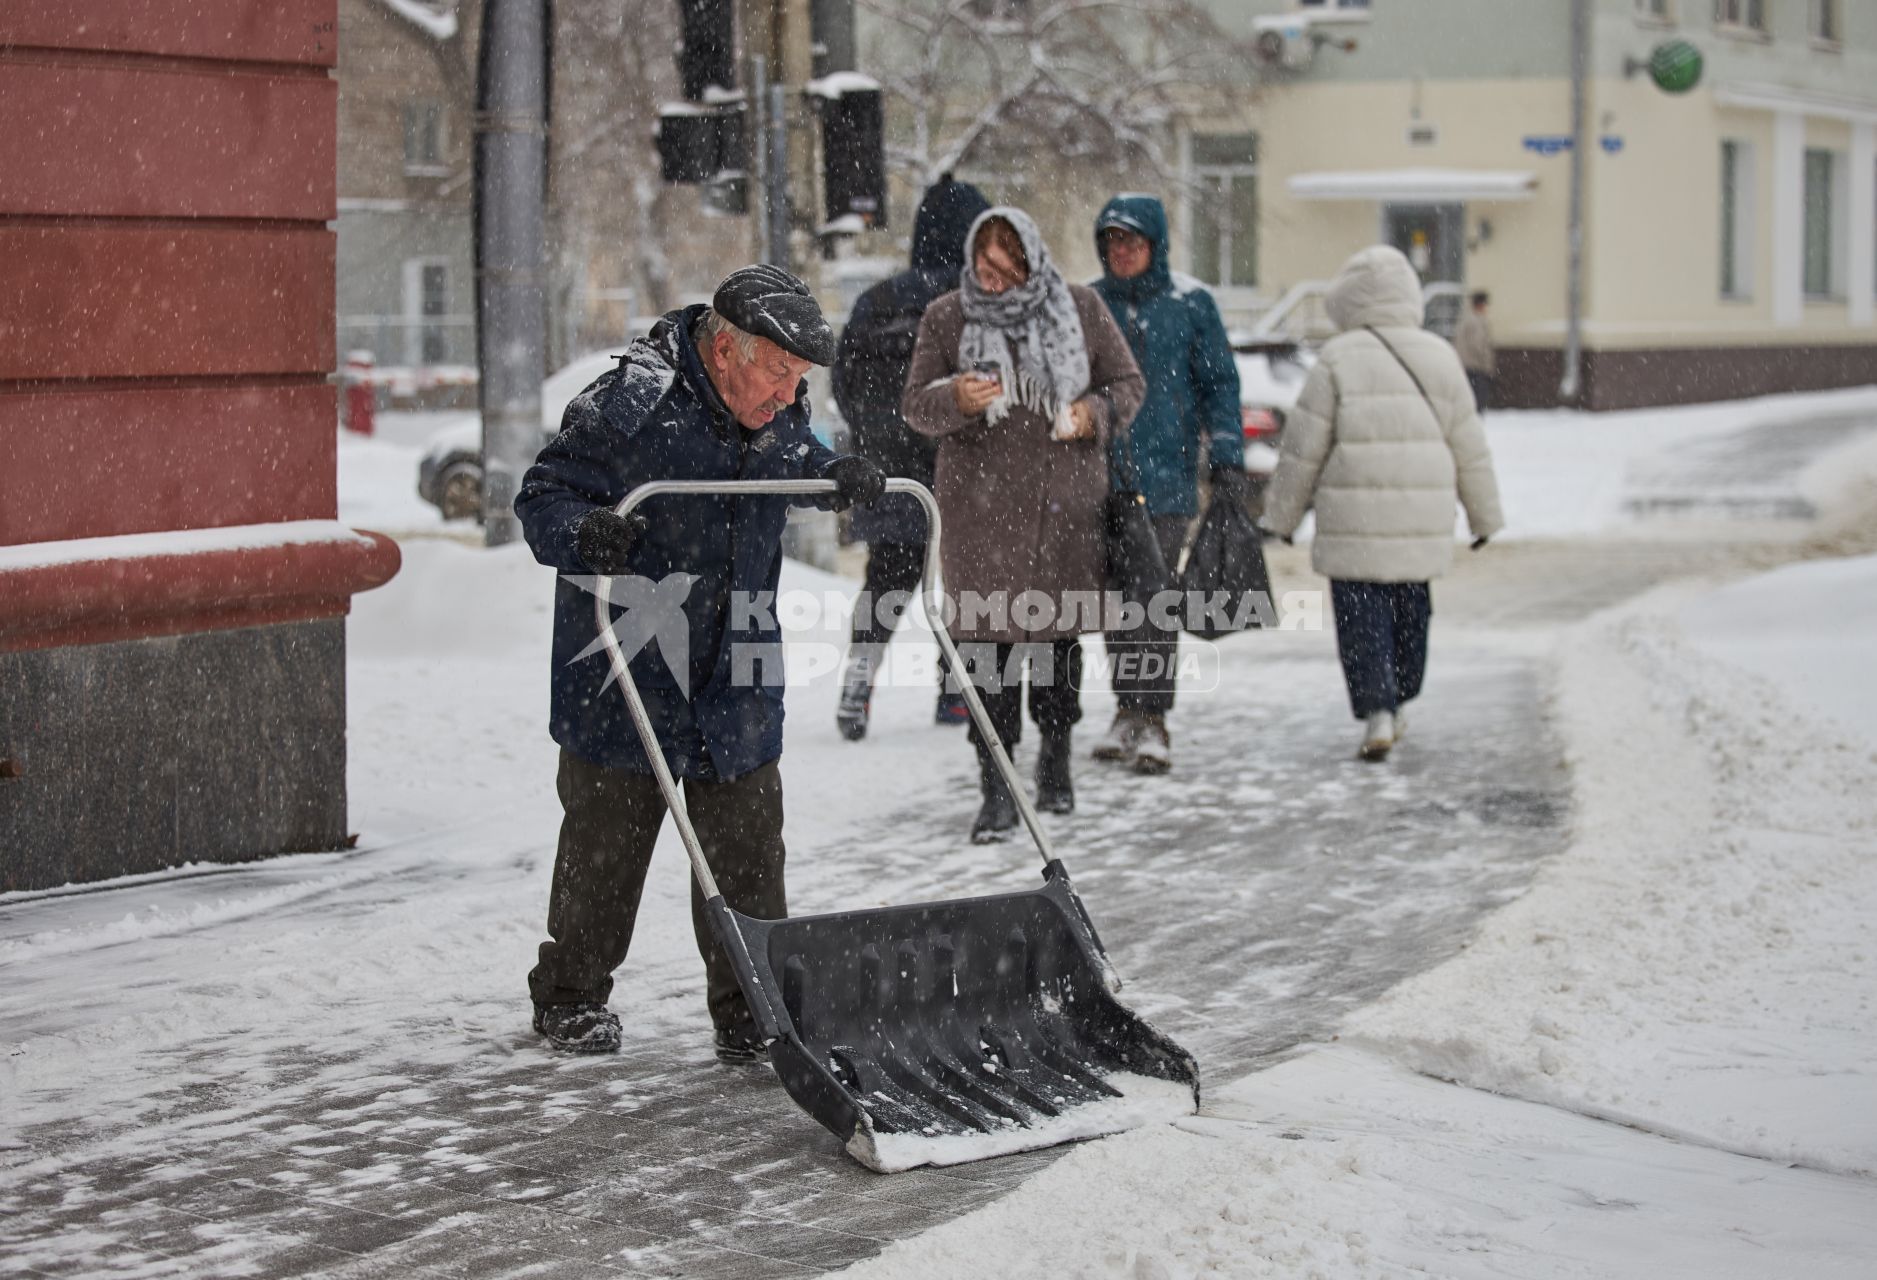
x=1178, y=339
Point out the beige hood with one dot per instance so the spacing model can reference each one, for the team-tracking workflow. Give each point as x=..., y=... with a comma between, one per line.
x=1377, y=287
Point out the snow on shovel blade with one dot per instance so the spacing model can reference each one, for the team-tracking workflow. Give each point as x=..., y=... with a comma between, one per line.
x=952, y=1031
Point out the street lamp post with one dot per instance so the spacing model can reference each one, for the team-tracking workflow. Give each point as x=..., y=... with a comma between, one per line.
x=511, y=296
x=1570, y=385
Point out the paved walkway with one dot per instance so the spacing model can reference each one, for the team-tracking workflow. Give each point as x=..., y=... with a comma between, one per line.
x=1248, y=899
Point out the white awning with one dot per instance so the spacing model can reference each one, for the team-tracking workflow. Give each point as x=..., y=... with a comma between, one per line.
x=1773, y=97
x=1416, y=186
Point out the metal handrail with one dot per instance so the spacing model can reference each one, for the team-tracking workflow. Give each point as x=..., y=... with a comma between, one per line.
x=930, y=602
x=1272, y=321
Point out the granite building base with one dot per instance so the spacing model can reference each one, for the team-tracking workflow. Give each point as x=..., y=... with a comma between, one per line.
x=1528, y=376
x=135, y=756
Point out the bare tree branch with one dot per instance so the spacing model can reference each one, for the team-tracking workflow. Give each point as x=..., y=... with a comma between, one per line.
x=1101, y=80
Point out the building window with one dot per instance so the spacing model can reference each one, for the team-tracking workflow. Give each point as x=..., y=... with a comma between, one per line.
x=1659, y=13
x=426, y=311
x=1825, y=218
x=1225, y=208
x=1737, y=202
x=1826, y=22
x=424, y=139
x=1741, y=15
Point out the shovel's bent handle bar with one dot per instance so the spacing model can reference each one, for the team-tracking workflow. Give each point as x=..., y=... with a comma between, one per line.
x=930, y=601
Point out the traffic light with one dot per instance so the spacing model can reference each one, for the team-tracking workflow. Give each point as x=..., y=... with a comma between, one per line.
x=688, y=142
x=707, y=47
x=705, y=139
x=853, y=148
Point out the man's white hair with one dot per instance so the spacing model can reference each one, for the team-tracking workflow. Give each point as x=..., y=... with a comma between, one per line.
x=714, y=324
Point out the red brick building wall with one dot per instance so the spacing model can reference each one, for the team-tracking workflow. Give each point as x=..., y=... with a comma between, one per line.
x=166, y=340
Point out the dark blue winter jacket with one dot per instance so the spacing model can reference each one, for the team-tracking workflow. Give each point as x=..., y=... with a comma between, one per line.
x=1173, y=327
x=876, y=350
x=657, y=417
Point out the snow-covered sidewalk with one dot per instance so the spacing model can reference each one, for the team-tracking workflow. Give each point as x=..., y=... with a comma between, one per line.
x=1697, y=968
x=1653, y=1057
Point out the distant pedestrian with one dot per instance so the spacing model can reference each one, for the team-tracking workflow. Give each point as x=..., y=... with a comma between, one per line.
x=1383, y=439
x=869, y=379
x=1023, y=379
x=1173, y=328
x=1472, y=338
x=711, y=393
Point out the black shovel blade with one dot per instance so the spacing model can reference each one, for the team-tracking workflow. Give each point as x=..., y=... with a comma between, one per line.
x=950, y=1031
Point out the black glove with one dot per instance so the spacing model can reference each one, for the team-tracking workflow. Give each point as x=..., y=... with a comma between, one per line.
x=855, y=480
x=1230, y=483
x=605, y=540
x=1478, y=543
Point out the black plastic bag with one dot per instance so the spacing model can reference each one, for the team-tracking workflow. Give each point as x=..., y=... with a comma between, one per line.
x=1224, y=584
x=1136, y=568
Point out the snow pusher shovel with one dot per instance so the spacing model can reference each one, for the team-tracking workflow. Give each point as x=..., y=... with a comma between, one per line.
x=940, y=1032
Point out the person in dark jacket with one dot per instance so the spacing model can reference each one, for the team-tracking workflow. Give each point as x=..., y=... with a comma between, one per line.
x=1174, y=330
x=869, y=378
x=712, y=393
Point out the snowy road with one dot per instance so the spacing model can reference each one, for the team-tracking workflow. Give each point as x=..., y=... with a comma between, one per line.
x=322, y=1064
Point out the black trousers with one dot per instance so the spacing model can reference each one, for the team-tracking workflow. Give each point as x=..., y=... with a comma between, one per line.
x=611, y=823
x=1482, y=384
x=892, y=568
x=1381, y=637
x=1055, y=682
x=1142, y=660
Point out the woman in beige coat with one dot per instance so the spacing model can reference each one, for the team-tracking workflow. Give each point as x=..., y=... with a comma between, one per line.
x=1023, y=379
x=1383, y=439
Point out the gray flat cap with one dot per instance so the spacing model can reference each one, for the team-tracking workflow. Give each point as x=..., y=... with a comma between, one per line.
x=770, y=303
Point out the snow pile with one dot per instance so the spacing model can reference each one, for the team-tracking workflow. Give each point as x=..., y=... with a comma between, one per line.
x=1666, y=973
x=1338, y=1164
x=1697, y=965
x=1809, y=627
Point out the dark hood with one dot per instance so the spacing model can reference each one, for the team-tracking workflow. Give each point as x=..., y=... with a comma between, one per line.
x=1146, y=215
x=945, y=216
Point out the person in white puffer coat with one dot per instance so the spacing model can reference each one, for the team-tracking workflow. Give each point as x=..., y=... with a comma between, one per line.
x=1382, y=441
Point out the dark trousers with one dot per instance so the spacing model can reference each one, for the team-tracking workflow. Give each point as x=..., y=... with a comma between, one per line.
x=1055, y=680
x=1482, y=384
x=1142, y=659
x=893, y=568
x=611, y=823
x=1381, y=636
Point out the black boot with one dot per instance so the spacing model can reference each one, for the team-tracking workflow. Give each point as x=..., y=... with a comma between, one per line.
x=851, y=715
x=582, y=1027
x=740, y=1045
x=997, y=817
x=1054, y=792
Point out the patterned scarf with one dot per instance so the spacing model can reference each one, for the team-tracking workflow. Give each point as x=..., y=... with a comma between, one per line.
x=1038, y=318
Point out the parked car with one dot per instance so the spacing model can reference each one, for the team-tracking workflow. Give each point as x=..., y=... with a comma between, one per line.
x=1271, y=373
x=449, y=475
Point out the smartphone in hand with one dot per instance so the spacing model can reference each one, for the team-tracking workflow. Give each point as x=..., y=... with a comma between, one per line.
x=988, y=370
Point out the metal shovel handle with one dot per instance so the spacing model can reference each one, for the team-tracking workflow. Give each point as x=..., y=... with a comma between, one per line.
x=929, y=601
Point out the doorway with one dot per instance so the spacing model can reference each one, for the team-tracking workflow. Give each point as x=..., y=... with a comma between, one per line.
x=1432, y=236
